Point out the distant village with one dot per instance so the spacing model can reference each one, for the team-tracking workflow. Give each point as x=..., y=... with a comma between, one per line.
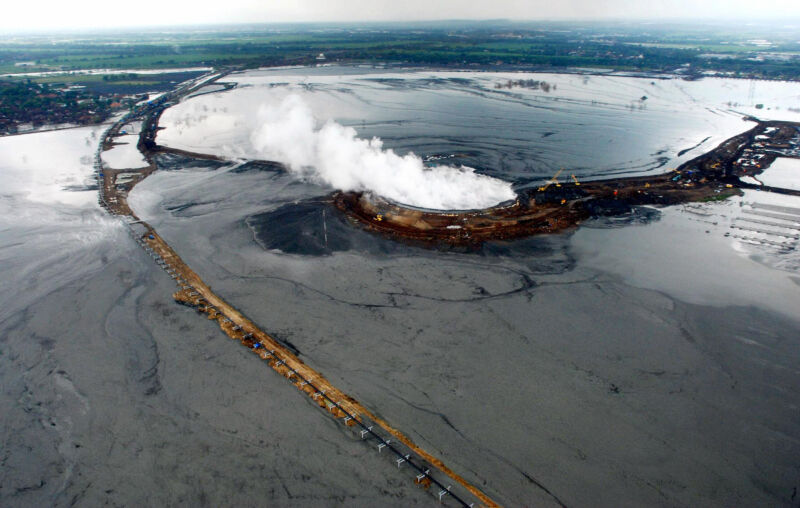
x=27, y=106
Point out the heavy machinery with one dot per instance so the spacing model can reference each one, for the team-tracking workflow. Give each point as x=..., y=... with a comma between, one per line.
x=552, y=181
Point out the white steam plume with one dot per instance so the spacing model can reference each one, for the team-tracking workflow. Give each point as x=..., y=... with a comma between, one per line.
x=332, y=154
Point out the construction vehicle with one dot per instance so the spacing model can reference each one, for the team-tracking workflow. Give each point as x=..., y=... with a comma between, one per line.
x=552, y=181
x=575, y=178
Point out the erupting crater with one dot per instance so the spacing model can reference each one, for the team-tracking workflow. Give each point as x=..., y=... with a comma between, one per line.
x=557, y=206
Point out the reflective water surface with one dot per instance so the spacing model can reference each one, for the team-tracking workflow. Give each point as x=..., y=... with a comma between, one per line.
x=593, y=126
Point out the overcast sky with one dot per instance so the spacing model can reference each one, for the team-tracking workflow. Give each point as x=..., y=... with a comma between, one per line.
x=70, y=14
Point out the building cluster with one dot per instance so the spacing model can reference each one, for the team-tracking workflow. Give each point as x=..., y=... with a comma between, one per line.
x=27, y=106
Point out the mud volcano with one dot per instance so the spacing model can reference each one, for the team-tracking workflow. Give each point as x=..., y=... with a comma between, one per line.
x=509, y=220
x=556, y=206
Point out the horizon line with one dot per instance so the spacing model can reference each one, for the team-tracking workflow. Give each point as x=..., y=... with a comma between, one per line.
x=792, y=22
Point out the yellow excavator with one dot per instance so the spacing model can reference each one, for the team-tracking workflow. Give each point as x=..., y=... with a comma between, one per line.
x=552, y=181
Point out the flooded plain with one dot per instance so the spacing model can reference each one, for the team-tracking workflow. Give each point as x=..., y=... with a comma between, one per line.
x=648, y=359
x=605, y=364
x=592, y=126
x=110, y=393
x=784, y=173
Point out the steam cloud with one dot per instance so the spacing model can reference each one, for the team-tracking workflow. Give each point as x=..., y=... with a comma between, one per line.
x=332, y=154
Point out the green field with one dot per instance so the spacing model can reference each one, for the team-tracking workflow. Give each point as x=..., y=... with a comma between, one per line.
x=521, y=45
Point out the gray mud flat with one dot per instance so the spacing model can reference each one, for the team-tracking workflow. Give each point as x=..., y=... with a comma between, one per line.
x=540, y=375
x=113, y=394
x=651, y=361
